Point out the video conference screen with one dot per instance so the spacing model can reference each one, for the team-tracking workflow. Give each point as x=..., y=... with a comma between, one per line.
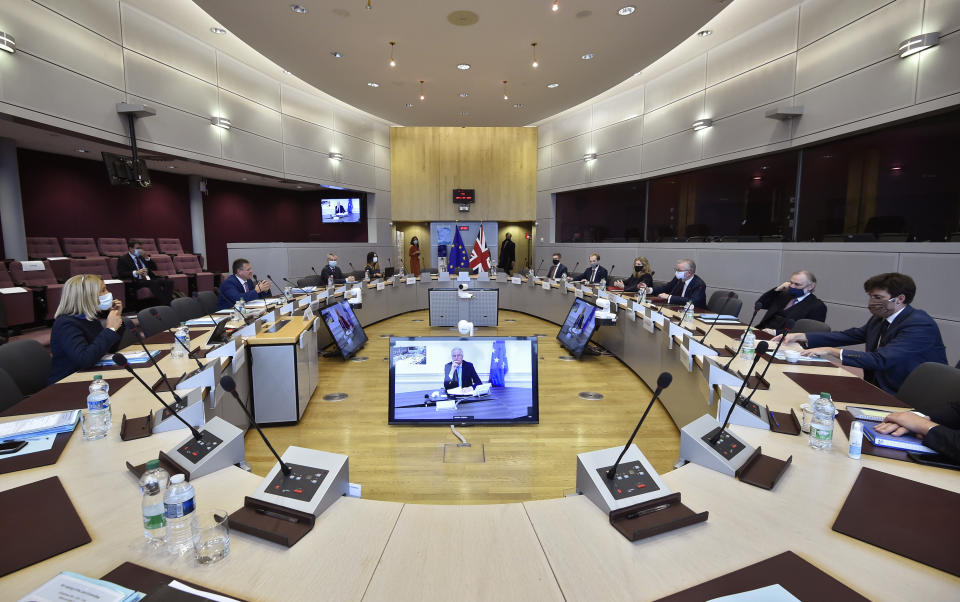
x=333, y=211
x=453, y=380
x=578, y=327
x=344, y=328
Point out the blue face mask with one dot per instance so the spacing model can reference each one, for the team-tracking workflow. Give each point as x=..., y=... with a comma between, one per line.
x=136, y=252
x=106, y=301
x=796, y=293
x=332, y=263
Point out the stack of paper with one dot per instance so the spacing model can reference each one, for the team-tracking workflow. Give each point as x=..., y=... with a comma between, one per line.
x=723, y=318
x=72, y=586
x=133, y=357
x=41, y=426
x=306, y=290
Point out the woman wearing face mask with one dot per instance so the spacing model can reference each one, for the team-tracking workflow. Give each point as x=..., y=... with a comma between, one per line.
x=641, y=275
x=372, y=269
x=414, y=253
x=78, y=339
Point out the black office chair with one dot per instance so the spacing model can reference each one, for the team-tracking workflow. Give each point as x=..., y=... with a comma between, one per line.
x=208, y=301
x=309, y=281
x=187, y=308
x=166, y=318
x=28, y=363
x=808, y=325
x=10, y=394
x=718, y=302
x=930, y=387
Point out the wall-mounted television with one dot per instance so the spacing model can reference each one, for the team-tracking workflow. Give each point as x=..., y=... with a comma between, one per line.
x=344, y=328
x=577, y=327
x=122, y=171
x=463, y=380
x=340, y=211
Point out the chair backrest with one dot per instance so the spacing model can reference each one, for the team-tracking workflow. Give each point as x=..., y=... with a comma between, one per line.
x=808, y=325
x=930, y=387
x=312, y=280
x=164, y=265
x=187, y=264
x=80, y=247
x=113, y=247
x=166, y=318
x=33, y=278
x=170, y=246
x=149, y=244
x=91, y=265
x=719, y=302
x=28, y=363
x=187, y=308
x=10, y=393
x=41, y=247
x=5, y=280
x=208, y=301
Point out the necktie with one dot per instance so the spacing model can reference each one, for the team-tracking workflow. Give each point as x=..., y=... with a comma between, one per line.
x=790, y=304
x=593, y=278
x=459, y=376
x=884, y=327
x=246, y=286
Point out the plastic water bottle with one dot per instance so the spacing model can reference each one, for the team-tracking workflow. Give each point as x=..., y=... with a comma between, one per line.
x=179, y=505
x=182, y=342
x=749, y=348
x=856, y=440
x=821, y=425
x=330, y=281
x=688, y=317
x=237, y=312
x=153, y=485
x=98, y=406
x=643, y=296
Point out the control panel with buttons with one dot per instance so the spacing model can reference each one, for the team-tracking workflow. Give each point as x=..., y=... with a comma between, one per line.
x=727, y=445
x=194, y=450
x=301, y=485
x=630, y=479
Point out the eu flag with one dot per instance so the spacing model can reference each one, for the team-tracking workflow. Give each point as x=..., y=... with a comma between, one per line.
x=498, y=364
x=459, y=259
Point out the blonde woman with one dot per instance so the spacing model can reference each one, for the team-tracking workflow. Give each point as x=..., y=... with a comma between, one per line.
x=641, y=275
x=78, y=339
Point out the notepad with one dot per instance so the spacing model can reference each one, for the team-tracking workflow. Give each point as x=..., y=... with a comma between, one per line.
x=908, y=441
x=28, y=428
x=133, y=357
x=73, y=586
x=771, y=593
x=722, y=318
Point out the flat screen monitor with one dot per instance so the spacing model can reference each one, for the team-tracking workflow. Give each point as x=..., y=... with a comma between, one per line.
x=123, y=171
x=455, y=380
x=344, y=328
x=337, y=211
x=577, y=327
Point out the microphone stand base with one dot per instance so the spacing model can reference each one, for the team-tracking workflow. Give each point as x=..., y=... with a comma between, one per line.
x=729, y=455
x=635, y=481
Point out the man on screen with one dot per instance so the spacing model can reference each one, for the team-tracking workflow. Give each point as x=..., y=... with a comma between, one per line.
x=458, y=373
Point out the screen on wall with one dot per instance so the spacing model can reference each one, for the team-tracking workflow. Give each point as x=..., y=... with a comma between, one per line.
x=336, y=211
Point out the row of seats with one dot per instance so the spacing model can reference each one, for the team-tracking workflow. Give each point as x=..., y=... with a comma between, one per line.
x=42, y=247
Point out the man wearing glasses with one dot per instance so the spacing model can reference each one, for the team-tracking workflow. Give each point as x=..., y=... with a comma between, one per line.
x=896, y=339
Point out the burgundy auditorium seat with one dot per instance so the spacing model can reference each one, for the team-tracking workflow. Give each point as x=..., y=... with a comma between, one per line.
x=188, y=264
x=165, y=267
x=170, y=246
x=80, y=247
x=98, y=266
x=43, y=280
x=45, y=247
x=149, y=245
x=18, y=306
x=112, y=247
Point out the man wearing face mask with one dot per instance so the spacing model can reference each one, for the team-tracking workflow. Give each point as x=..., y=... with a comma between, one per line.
x=595, y=273
x=641, y=277
x=686, y=286
x=331, y=269
x=557, y=270
x=791, y=301
x=897, y=338
x=139, y=270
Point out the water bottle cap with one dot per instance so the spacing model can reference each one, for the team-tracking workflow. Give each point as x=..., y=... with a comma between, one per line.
x=153, y=464
x=175, y=479
x=825, y=396
x=97, y=377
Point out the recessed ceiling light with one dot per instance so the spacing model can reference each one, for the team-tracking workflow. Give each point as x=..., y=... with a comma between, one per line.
x=518, y=106
x=556, y=5
x=463, y=66
x=587, y=56
x=218, y=30
x=409, y=105
x=704, y=32
x=285, y=72
x=626, y=10
x=337, y=54
x=464, y=95
x=300, y=10
x=553, y=85
x=373, y=84
x=81, y=150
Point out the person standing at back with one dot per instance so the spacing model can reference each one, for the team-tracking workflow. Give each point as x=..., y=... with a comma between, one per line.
x=508, y=254
x=414, y=253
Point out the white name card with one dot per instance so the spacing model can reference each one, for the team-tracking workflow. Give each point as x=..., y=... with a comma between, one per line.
x=411, y=279
x=546, y=285
x=515, y=280
x=380, y=285
x=579, y=293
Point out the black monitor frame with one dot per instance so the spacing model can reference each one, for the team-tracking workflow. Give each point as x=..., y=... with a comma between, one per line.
x=577, y=352
x=347, y=354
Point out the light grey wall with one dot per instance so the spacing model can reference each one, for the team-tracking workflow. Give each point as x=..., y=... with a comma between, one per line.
x=750, y=269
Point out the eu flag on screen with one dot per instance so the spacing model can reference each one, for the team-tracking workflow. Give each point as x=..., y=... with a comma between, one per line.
x=498, y=364
x=349, y=206
x=459, y=257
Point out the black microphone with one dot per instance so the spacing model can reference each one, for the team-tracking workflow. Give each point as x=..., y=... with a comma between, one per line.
x=230, y=386
x=756, y=308
x=314, y=270
x=292, y=285
x=573, y=271
x=141, y=336
x=762, y=347
x=613, y=267
x=156, y=314
x=663, y=381
x=274, y=282
x=120, y=360
x=769, y=363
x=730, y=295
x=350, y=263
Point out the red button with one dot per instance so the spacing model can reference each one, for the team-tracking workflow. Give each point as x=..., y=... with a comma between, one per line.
x=734, y=446
x=641, y=485
x=194, y=453
x=619, y=491
x=298, y=490
x=276, y=487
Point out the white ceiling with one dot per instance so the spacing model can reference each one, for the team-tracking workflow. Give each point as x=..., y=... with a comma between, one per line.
x=429, y=48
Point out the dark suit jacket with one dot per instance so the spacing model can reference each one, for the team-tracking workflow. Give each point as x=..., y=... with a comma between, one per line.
x=126, y=267
x=372, y=271
x=945, y=437
x=508, y=254
x=632, y=284
x=232, y=291
x=588, y=273
x=560, y=272
x=469, y=376
x=911, y=340
x=77, y=344
x=778, y=318
x=338, y=277
x=696, y=291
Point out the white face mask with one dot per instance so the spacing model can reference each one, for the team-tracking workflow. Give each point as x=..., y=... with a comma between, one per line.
x=376, y=259
x=106, y=301
x=681, y=275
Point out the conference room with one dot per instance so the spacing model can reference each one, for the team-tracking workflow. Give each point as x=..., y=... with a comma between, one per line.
x=546, y=300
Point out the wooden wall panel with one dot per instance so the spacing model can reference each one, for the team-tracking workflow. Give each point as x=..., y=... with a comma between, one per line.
x=427, y=163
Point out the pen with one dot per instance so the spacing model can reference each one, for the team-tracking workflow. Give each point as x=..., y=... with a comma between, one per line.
x=774, y=418
x=272, y=514
x=647, y=511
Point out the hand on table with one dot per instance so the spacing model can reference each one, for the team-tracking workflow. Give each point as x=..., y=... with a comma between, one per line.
x=900, y=423
x=826, y=352
x=618, y=283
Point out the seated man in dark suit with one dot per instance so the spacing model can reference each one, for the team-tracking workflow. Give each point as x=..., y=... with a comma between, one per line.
x=240, y=286
x=940, y=430
x=139, y=270
x=595, y=273
x=557, y=270
x=791, y=301
x=331, y=269
x=898, y=337
x=686, y=286
x=459, y=373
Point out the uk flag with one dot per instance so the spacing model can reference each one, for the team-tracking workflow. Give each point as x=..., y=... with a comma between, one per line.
x=480, y=255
